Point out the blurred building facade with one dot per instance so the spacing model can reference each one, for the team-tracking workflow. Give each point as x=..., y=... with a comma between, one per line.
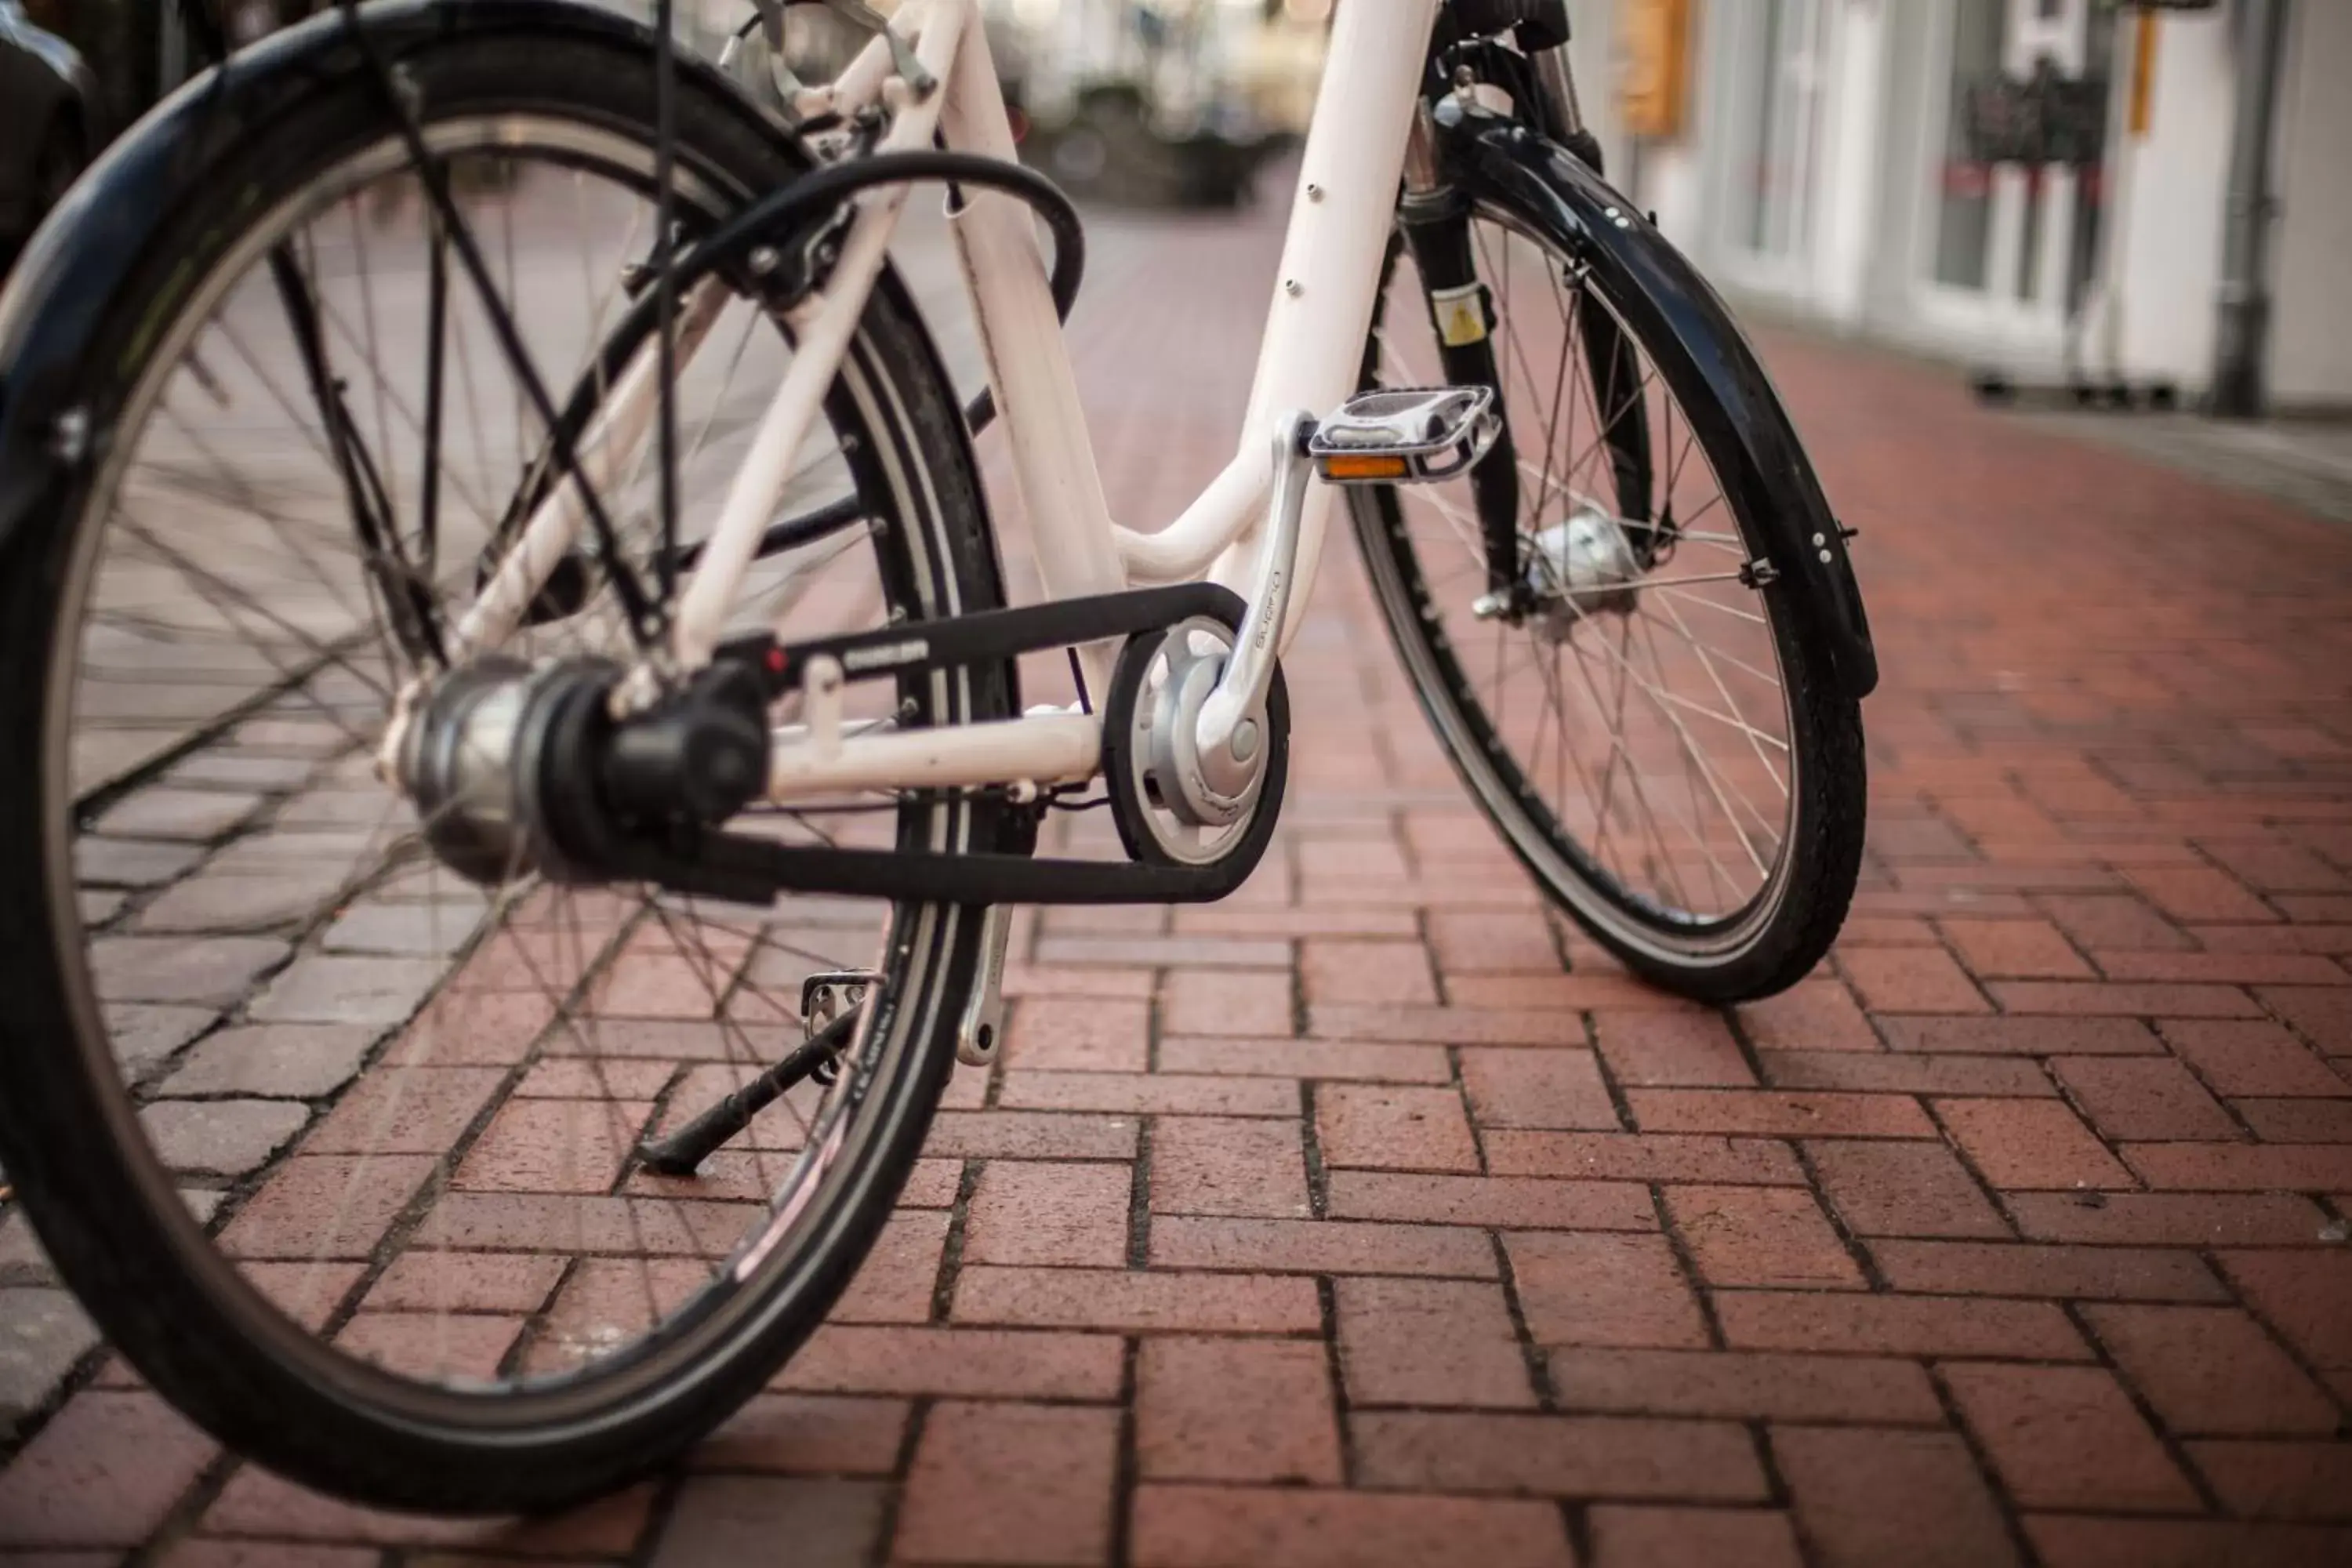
x=1831, y=156
x=1823, y=155
x=1197, y=61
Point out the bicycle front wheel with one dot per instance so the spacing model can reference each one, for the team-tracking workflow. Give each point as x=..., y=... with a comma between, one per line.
x=338, y=1146
x=1647, y=718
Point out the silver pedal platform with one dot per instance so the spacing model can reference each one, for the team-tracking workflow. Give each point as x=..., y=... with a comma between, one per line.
x=1406, y=437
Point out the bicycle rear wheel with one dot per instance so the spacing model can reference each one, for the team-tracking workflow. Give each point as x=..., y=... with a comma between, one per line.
x=337, y=1145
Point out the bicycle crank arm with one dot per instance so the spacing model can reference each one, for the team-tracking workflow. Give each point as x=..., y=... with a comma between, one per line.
x=1226, y=736
x=1417, y=437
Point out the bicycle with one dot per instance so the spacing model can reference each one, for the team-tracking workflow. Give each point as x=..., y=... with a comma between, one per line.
x=495, y=884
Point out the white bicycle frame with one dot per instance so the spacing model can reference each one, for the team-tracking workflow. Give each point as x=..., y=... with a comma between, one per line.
x=1310, y=360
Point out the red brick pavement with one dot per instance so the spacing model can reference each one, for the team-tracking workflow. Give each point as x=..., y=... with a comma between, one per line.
x=1369, y=1218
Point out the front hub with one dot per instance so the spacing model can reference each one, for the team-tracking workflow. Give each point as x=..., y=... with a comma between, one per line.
x=1582, y=566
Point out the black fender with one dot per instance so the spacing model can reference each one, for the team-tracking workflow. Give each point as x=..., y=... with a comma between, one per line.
x=94, y=243
x=1504, y=162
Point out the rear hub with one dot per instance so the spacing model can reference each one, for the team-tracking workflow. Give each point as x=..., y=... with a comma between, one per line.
x=517, y=769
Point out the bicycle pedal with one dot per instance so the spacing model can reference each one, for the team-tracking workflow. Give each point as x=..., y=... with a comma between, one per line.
x=1406, y=437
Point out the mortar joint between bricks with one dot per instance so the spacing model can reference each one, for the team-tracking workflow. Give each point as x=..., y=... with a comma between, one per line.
x=1577, y=1517
x=1687, y=1261
x=2272, y=1012
x=943, y=1284
x=1736, y=1028
x=2166, y=1438
x=2074, y=1101
x=1138, y=1200
x=1154, y=1028
x=660, y=1511
x=2341, y=1396
x=1538, y=1363
x=1127, y=1472
x=1395, y=819
x=918, y=1410
x=2003, y=1504
x=428, y=1194
x=1618, y=1102
x=153, y=770
x=1429, y=955
x=1992, y=1194
x=27, y=1423
x=902, y=1466
x=1326, y=1306
x=1556, y=931
x=2227, y=1104
x=1311, y=1148
x=1862, y=1258
x=1776, y=1485
x=1299, y=1017
x=1460, y=1087
x=187, y=1510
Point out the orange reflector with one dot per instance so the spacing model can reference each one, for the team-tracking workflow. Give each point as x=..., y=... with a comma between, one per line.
x=1368, y=467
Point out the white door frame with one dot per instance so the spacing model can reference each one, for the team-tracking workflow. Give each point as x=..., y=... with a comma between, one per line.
x=1997, y=319
x=1732, y=98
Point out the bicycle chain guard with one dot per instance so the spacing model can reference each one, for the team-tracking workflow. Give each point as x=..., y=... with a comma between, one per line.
x=587, y=790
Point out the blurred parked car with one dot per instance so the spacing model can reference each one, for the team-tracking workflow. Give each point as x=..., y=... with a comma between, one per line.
x=50, y=124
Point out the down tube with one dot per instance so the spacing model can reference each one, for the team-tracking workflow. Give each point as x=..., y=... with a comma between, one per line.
x=1313, y=355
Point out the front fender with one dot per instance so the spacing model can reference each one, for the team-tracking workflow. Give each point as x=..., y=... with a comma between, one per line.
x=1733, y=400
x=74, y=271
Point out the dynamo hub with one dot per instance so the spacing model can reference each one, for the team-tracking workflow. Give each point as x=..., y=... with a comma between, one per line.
x=1582, y=566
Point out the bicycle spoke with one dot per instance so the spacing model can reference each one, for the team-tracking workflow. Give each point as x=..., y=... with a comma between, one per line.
x=436, y=332
x=1637, y=780
x=1691, y=751
x=1757, y=738
x=375, y=351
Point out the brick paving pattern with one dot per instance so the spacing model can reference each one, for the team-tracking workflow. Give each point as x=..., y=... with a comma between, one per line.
x=1373, y=1218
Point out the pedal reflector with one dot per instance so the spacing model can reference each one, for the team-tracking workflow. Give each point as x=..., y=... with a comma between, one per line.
x=1342, y=468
